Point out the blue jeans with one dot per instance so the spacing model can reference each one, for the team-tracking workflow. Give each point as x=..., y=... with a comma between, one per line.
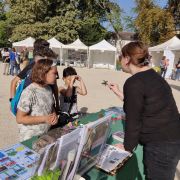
x=178, y=74
x=161, y=159
x=13, y=66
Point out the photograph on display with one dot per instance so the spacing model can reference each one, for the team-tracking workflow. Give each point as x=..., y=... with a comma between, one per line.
x=44, y=161
x=96, y=136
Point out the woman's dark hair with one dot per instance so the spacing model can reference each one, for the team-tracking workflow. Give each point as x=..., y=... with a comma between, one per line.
x=39, y=45
x=45, y=52
x=69, y=71
x=164, y=57
x=138, y=53
x=39, y=71
x=14, y=49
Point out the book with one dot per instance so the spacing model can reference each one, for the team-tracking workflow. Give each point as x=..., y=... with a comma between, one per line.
x=17, y=162
x=112, y=159
x=119, y=135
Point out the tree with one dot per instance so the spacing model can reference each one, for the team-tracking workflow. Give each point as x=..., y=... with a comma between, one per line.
x=2, y=11
x=154, y=25
x=113, y=15
x=92, y=32
x=4, y=32
x=44, y=18
x=129, y=23
x=66, y=20
x=92, y=16
x=174, y=7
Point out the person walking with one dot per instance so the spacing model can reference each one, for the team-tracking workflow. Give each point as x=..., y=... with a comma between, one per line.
x=13, y=63
x=6, y=62
x=178, y=71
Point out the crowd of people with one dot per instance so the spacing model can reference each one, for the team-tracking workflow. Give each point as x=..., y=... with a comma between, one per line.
x=164, y=67
x=152, y=117
x=13, y=59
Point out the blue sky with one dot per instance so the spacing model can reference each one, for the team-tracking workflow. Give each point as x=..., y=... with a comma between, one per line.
x=127, y=5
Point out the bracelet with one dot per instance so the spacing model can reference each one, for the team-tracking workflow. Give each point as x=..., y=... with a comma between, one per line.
x=10, y=99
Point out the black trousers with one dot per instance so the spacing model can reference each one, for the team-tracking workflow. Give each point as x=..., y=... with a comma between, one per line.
x=161, y=159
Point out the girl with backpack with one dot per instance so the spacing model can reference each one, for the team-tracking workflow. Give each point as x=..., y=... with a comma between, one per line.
x=36, y=111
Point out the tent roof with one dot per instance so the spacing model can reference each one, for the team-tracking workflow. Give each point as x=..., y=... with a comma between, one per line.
x=54, y=43
x=76, y=45
x=103, y=46
x=28, y=42
x=170, y=45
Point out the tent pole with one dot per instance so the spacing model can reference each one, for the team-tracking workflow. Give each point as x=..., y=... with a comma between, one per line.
x=115, y=54
x=88, y=57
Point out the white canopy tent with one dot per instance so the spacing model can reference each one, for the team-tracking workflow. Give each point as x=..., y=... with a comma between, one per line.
x=102, y=55
x=28, y=42
x=76, y=46
x=57, y=47
x=168, y=45
x=170, y=49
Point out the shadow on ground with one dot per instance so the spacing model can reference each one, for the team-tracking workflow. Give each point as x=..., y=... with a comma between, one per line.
x=175, y=87
x=178, y=173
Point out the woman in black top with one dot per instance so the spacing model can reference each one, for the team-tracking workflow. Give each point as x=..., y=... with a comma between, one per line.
x=152, y=117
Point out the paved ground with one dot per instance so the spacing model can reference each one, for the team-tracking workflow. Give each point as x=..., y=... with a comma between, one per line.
x=98, y=97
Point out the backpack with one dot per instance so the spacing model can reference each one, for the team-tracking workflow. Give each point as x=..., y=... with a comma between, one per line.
x=22, y=85
x=15, y=100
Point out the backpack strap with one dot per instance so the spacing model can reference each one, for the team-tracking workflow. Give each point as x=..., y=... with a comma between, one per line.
x=71, y=104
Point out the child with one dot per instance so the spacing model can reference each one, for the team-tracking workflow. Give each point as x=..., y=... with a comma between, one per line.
x=68, y=94
x=36, y=112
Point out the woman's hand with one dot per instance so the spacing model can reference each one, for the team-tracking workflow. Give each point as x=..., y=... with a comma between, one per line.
x=115, y=88
x=52, y=119
x=121, y=146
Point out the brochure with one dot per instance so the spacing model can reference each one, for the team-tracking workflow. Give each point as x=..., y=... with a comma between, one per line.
x=112, y=159
x=17, y=162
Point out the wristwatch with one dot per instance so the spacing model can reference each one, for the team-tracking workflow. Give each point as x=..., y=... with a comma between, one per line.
x=10, y=99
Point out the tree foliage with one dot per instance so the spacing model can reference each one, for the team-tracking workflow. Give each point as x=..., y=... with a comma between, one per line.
x=113, y=14
x=91, y=16
x=4, y=33
x=2, y=14
x=154, y=25
x=174, y=7
x=45, y=19
x=66, y=20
